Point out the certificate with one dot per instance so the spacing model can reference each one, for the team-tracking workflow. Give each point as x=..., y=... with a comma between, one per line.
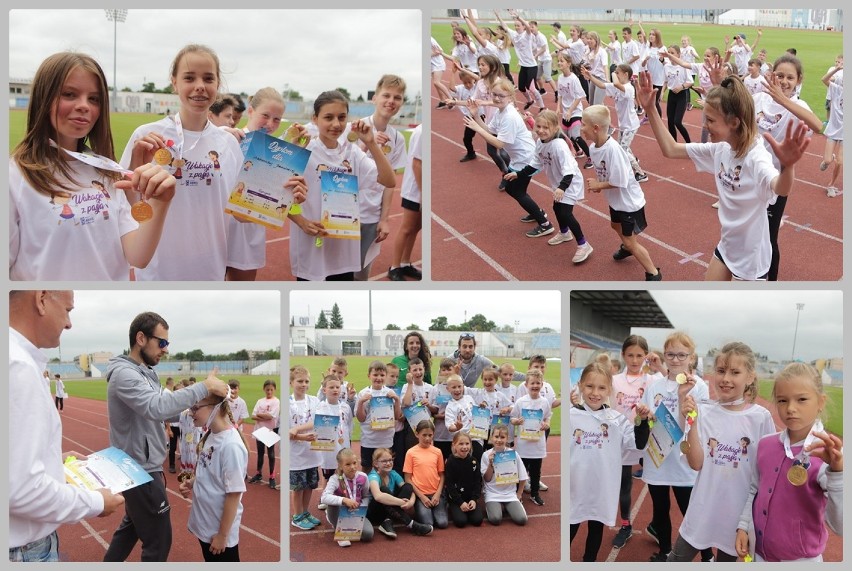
x=442, y=397
x=381, y=413
x=481, y=422
x=110, y=468
x=340, y=212
x=266, y=436
x=415, y=413
x=505, y=467
x=259, y=194
x=350, y=523
x=504, y=420
x=325, y=427
x=531, y=428
x=664, y=435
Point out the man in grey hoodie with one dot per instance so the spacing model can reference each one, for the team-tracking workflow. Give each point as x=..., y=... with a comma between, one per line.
x=137, y=407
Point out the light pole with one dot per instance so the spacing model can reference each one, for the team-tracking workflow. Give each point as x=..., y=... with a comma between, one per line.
x=799, y=308
x=115, y=16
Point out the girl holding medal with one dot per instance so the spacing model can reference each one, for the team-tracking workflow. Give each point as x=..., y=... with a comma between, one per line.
x=218, y=483
x=799, y=472
x=724, y=473
x=350, y=488
x=63, y=169
x=602, y=435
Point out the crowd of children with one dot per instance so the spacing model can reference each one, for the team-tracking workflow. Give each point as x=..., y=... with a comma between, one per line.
x=744, y=489
x=745, y=101
x=430, y=455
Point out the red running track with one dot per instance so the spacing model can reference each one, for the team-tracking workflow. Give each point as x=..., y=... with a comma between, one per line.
x=85, y=429
x=539, y=540
x=478, y=227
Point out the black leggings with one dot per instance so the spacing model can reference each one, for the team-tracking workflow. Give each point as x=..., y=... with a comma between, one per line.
x=662, y=521
x=526, y=77
x=659, y=93
x=499, y=156
x=461, y=518
x=533, y=467
x=624, y=495
x=270, y=451
x=467, y=139
x=775, y=213
x=173, y=444
x=344, y=277
x=508, y=73
x=593, y=540
x=378, y=512
x=565, y=219
x=517, y=189
x=675, y=110
x=229, y=555
x=60, y=403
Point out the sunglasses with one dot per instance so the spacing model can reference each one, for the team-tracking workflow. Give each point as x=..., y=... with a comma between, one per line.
x=466, y=336
x=161, y=343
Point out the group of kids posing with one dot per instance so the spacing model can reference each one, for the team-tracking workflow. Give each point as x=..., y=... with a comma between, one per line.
x=751, y=137
x=744, y=489
x=426, y=473
x=70, y=218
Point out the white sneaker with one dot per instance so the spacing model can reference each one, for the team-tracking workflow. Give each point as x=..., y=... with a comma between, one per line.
x=542, y=486
x=344, y=543
x=560, y=238
x=527, y=488
x=321, y=507
x=582, y=253
x=832, y=191
x=715, y=204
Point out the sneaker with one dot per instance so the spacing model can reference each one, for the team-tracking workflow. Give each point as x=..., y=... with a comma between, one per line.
x=528, y=104
x=410, y=271
x=711, y=560
x=441, y=105
x=255, y=479
x=322, y=507
x=541, y=230
x=589, y=164
x=653, y=533
x=313, y=521
x=824, y=165
x=386, y=527
x=622, y=536
x=542, y=487
x=421, y=528
x=621, y=254
x=658, y=277
x=272, y=483
x=300, y=522
x=467, y=158
x=715, y=205
x=689, y=106
x=396, y=275
x=537, y=500
x=502, y=185
x=561, y=238
x=638, y=474
x=172, y=470
x=640, y=111
x=583, y=252
x=659, y=557
x=344, y=543
x=528, y=218
x=831, y=191
x=542, y=90
x=641, y=177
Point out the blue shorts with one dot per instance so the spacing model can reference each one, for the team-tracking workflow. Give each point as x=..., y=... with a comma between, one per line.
x=307, y=479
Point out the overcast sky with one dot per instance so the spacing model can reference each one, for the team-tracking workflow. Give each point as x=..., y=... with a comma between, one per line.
x=311, y=50
x=530, y=309
x=764, y=320
x=213, y=321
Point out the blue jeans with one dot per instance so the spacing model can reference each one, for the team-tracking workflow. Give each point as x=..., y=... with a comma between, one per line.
x=44, y=549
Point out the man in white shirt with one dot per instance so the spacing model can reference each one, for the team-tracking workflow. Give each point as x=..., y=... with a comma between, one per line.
x=39, y=498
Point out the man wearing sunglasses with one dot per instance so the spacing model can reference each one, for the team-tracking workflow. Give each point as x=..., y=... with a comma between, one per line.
x=138, y=406
x=471, y=364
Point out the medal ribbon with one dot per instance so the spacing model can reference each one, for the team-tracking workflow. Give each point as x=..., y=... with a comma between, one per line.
x=351, y=493
x=181, y=140
x=803, y=456
x=97, y=161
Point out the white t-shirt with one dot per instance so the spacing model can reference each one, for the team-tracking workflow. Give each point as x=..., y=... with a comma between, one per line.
x=570, y=89
x=773, y=118
x=531, y=448
x=344, y=431
x=246, y=245
x=460, y=409
x=466, y=56
x=436, y=61
x=676, y=75
x=613, y=49
x=704, y=80
x=374, y=438
x=370, y=199
x=612, y=165
x=742, y=53
x=511, y=391
x=523, y=43
x=195, y=236
x=503, y=53
x=440, y=398
x=462, y=93
x=73, y=238
x=627, y=392
x=493, y=400
x=335, y=256
x=541, y=42
x=598, y=439
x=487, y=49
x=834, y=129
x=655, y=66
x=755, y=84
x=674, y=471
x=722, y=486
x=418, y=392
x=509, y=127
x=744, y=188
x=688, y=54
x=625, y=106
x=273, y=407
x=409, y=189
x=557, y=161
x=494, y=492
x=302, y=412
x=239, y=409
x=597, y=64
x=221, y=470
x=577, y=51
x=629, y=50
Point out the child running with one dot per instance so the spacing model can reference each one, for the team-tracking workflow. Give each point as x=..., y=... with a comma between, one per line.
x=347, y=489
x=833, y=131
x=570, y=104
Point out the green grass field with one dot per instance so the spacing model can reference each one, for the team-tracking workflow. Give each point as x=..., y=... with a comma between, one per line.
x=817, y=49
x=251, y=388
x=358, y=367
x=833, y=408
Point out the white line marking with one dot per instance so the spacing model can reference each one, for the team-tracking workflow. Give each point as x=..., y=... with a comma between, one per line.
x=97, y=535
x=613, y=554
x=475, y=249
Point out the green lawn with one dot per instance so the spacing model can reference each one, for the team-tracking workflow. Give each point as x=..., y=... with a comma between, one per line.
x=358, y=367
x=833, y=408
x=817, y=49
x=251, y=388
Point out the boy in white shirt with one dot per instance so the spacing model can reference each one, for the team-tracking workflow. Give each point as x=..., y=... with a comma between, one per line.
x=400, y=427
x=239, y=408
x=530, y=443
x=458, y=415
x=340, y=369
x=331, y=406
x=373, y=435
x=304, y=462
x=414, y=392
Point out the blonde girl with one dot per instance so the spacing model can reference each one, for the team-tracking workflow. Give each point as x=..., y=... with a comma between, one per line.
x=596, y=60
x=570, y=105
x=833, y=132
x=801, y=470
x=393, y=498
x=348, y=489
x=504, y=495
x=463, y=483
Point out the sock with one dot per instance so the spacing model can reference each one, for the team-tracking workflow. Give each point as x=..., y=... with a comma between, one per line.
x=563, y=230
x=625, y=523
x=581, y=241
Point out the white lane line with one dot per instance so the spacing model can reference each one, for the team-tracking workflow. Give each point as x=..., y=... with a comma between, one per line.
x=475, y=249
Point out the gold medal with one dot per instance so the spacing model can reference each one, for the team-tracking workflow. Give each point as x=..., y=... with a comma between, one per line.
x=141, y=211
x=386, y=149
x=184, y=476
x=189, y=437
x=637, y=420
x=340, y=441
x=162, y=157
x=352, y=136
x=797, y=475
x=680, y=378
x=684, y=446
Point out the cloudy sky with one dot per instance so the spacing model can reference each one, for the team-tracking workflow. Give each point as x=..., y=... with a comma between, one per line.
x=309, y=50
x=764, y=320
x=530, y=309
x=213, y=321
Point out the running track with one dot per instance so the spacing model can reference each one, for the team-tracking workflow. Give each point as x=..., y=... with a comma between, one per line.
x=85, y=428
x=478, y=227
x=539, y=540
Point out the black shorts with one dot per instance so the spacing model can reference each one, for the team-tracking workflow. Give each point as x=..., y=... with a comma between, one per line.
x=631, y=222
x=719, y=257
x=410, y=205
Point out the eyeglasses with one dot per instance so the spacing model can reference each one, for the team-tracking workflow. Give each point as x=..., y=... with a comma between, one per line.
x=196, y=407
x=499, y=95
x=385, y=461
x=678, y=356
x=161, y=343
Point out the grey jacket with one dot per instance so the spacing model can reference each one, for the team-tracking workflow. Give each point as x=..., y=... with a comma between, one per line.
x=138, y=406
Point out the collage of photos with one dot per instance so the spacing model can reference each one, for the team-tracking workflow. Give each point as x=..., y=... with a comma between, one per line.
x=564, y=148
